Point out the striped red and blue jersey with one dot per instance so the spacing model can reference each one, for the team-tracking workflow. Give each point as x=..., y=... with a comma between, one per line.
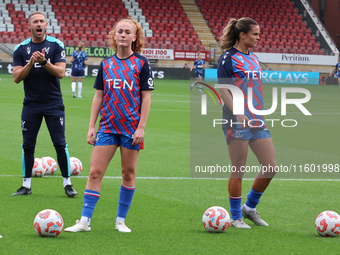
x=122, y=80
x=244, y=71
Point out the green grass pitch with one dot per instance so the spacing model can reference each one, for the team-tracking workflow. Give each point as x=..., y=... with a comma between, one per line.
x=165, y=216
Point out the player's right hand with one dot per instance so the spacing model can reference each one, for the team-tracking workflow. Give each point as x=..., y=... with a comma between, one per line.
x=91, y=136
x=243, y=119
x=33, y=60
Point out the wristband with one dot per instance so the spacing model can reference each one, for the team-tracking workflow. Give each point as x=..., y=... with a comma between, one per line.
x=44, y=62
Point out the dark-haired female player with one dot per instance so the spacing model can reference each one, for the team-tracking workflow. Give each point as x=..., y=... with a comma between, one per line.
x=238, y=66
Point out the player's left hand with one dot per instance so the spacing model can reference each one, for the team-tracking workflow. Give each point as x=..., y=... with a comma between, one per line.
x=138, y=136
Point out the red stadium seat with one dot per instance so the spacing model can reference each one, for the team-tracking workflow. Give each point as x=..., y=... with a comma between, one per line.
x=266, y=45
x=164, y=34
x=310, y=46
x=178, y=47
x=171, y=34
x=21, y=14
x=280, y=45
x=83, y=38
x=62, y=23
x=157, y=34
x=312, y=52
x=156, y=46
x=201, y=48
x=102, y=44
x=21, y=35
x=60, y=37
x=68, y=37
x=175, y=41
x=187, y=47
x=257, y=49
x=95, y=44
x=288, y=45
x=269, y=50
x=75, y=37
x=88, y=31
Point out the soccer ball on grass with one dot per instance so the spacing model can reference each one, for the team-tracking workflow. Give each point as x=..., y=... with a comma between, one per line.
x=328, y=224
x=48, y=223
x=39, y=168
x=51, y=165
x=75, y=166
x=216, y=219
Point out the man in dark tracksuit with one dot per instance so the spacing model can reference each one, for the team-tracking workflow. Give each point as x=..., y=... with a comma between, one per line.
x=40, y=62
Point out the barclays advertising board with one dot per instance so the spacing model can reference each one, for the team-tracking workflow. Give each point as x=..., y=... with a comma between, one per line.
x=281, y=77
x=308, y=78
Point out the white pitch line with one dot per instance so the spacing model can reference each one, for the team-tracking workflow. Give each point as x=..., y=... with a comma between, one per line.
x=171, y=101
x=177, y=178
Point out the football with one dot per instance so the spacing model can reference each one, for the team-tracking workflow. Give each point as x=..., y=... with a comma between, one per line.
x=75, y=166
x=328, y=224
x=48, y=223
x=39, y=168
x=51, y=165
x=216, y=219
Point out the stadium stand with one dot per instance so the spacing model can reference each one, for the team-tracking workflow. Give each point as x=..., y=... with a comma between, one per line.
x=166, y=25
x=165, y=22
x=170, y=25
x=276, y=19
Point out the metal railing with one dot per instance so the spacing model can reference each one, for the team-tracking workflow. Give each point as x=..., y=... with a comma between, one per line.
x=6, y=49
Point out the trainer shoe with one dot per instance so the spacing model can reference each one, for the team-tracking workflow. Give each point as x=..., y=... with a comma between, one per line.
x=121, y=227
x=79, y=227
x=74, y=95
x=192, y=85
x=22, y=191
x=239, y=223
x=69, y=191
x=79, y=96
x=253, y=216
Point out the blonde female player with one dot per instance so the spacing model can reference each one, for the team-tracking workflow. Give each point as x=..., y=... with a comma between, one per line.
x=79, y=63
x=238, y=66
x=123, y=98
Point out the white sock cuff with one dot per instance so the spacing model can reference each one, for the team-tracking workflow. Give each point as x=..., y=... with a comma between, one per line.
x=67, y=181
x=120, y=219
x=127, y=187
x=26, y=182
x=85, y=219
x=249, y=208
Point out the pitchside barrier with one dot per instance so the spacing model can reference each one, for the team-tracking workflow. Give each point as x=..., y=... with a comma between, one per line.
x=157, y=72
x=310, y=78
